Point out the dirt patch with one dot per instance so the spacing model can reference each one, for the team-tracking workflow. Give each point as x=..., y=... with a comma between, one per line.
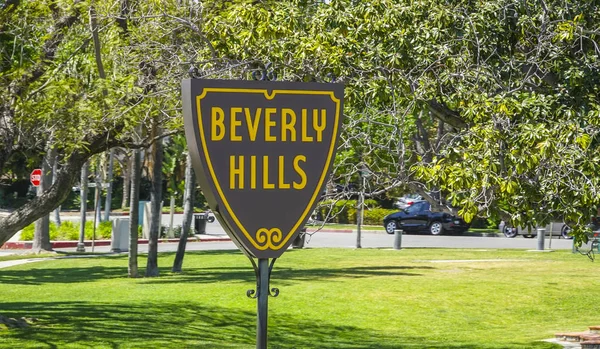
x=8, y=322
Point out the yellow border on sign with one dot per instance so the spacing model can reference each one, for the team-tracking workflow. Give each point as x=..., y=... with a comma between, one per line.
x=268, y=96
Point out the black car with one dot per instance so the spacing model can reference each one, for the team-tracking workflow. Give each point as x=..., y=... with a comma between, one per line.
x=418, y=217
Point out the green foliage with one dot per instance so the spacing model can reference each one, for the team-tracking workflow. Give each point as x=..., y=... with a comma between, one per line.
x=492, y=103
x=174, y=166
x=374, y=216
x=337, y=211
x=27, y=232
x=69, y=230
x=515, y=86
x=343, y=211
x=176, y=232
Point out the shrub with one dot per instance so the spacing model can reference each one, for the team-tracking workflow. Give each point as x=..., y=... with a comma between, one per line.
x=375, y=216
x=344, y=211
x=165, y=230
x=69, y=231
x=337, y=210
x=104, y=230
x=370, y=203
x=54, y=233
x=27, y=233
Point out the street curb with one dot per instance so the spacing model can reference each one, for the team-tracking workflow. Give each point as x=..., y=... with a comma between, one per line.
x=24, y=245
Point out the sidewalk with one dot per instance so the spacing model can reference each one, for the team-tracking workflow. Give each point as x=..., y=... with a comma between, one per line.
x=12, y=263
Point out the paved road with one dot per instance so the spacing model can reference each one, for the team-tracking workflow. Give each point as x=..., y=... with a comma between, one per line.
x=377, y=240
x=369, y=240
x=328, y=239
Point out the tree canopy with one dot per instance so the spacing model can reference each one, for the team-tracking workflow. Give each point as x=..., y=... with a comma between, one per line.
x=489, y=108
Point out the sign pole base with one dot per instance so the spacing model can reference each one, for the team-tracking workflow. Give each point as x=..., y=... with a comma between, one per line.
x=262, y=293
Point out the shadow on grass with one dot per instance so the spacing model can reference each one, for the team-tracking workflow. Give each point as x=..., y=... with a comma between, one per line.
x=38, y=276
x=176, y=325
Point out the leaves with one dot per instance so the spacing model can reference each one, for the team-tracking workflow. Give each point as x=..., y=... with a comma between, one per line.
x=491, y=104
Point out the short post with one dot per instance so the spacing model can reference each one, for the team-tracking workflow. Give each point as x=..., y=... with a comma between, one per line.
x=541, y=234
x=397, y=239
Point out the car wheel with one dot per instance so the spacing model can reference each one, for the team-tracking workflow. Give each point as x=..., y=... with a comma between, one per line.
x=529, y=236
x=510, y=232
x=436, y=228
x=565, y=231
x=390, y=226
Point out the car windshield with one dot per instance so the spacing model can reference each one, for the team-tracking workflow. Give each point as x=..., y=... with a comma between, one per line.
x=416, y=207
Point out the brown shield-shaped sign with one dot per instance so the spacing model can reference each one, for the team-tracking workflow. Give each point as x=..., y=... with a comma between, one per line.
x=262, y=152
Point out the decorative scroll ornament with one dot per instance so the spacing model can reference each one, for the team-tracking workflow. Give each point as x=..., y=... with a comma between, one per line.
x=269, y=238
x=273, y=292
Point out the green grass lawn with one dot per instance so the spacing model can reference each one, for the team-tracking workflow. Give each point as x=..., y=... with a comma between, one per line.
x=330, y=298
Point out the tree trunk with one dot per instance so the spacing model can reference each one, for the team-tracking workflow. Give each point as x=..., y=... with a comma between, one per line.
x=188, y=210
x=54, y=170
x=83, y=191
x=126, y=169
x=359, y=217
x=97, y=206
x=109, y=180
x=156, y=200
x=360, y=207
x=171, y=216
x=41, y=237
x=97, y=196
x=134, y=213
x=102, y=75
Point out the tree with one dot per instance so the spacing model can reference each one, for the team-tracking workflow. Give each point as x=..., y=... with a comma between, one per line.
x=173, y=171
x=156, y=206
x=188, y=210
x=489, y=106
x=134, y=214
x=40, y=93
x=469, y=104
x=50, y=82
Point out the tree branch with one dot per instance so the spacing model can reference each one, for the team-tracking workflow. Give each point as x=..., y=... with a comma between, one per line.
x=442, y=112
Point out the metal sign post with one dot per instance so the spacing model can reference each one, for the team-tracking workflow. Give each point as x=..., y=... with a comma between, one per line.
x=262, y=152
x=262, y=293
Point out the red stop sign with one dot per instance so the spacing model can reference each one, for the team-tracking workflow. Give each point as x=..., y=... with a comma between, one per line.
x=36, y=177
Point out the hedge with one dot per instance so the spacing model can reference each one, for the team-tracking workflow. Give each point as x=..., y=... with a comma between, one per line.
x=69, y=230
x=344, y=212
